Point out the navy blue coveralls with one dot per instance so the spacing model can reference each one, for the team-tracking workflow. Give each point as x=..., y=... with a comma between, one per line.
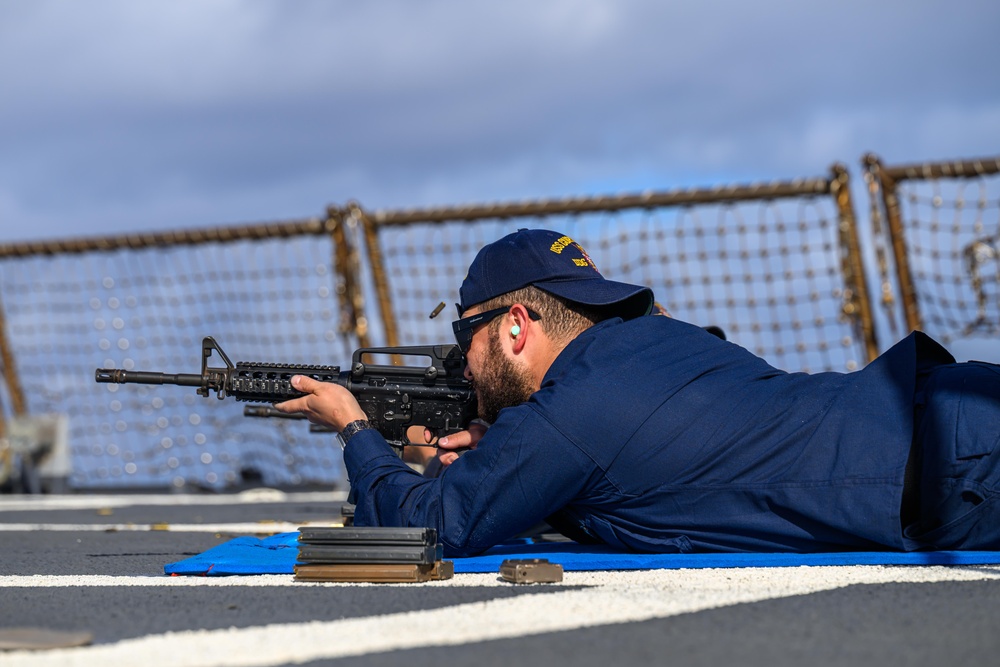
x=653, y=435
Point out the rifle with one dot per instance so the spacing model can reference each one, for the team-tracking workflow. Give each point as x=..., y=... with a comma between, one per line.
x=395, y=398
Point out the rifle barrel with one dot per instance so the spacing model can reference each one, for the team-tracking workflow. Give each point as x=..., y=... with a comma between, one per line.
x=118, y=376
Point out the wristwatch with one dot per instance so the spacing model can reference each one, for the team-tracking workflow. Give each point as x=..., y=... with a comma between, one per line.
x=352, y=429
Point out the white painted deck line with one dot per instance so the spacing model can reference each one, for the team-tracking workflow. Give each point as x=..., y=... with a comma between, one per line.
x=255, y=528
x=617, y=597
x=80, y=502
x=701, y=579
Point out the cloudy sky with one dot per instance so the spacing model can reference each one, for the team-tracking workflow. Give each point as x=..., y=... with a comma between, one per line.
x=122, y=115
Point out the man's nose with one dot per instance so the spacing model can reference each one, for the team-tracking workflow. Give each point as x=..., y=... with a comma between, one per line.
x=467, y=373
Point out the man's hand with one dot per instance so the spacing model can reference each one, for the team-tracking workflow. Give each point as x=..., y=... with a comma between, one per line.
x=451, y=446
x=324, y=403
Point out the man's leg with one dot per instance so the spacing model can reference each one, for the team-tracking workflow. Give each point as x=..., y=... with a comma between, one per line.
x=958, y=440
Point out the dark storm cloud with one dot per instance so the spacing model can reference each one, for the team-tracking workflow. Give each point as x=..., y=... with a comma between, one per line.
x=123, y=115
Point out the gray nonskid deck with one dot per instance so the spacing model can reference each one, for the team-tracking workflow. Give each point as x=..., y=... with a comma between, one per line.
x=110, y=583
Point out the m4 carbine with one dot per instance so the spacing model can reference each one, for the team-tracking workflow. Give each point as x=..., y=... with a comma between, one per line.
x=395, y=398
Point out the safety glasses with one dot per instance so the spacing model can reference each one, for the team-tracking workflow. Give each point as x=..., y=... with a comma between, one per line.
x=465, y=328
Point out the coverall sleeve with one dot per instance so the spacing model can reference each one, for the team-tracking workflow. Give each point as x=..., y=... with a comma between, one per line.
x=522, y=470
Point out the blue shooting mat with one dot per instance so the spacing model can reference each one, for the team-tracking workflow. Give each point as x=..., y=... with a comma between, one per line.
x=277, y=555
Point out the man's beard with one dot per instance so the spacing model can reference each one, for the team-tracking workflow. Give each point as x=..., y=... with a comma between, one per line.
x=500, y=384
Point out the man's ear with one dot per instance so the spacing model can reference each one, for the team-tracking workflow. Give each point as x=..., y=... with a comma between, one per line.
x=518, y=326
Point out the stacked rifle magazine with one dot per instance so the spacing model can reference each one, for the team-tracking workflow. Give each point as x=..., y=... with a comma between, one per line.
x=371, y=554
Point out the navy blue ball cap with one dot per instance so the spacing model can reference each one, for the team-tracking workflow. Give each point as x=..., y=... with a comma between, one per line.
x=553, y=262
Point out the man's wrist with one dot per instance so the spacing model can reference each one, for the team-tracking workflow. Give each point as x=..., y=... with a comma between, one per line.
x=353, y=429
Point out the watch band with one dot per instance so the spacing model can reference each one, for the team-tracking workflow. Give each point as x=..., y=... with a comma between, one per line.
x=352, y=429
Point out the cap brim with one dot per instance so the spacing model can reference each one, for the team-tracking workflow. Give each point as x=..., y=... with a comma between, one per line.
x=620, y=299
